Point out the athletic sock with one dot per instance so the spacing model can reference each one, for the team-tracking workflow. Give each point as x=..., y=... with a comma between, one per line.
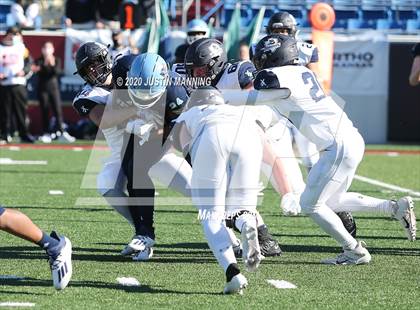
x=353, y=202
x=219, y=241
x=50, y=243
x=332, y=225
x=232, y=271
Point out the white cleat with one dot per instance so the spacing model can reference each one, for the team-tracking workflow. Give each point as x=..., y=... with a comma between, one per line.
x=61, y=266
x=404, y=212
x=144, y=255
x=358, y=256
x=251, y=252
x=137, y=244
x=236, y=285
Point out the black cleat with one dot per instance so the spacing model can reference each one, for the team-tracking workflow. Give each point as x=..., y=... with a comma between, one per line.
x=269, y=246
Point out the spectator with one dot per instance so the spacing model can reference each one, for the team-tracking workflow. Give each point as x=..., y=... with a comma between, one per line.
x=243, y=51
x=21, y=19
x=414, y=78
x=80, y=14
x=48, y=68
x=108, y=13
x=118, y=48
x=13, y=81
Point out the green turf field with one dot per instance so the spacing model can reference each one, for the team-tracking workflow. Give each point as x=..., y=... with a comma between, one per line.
x=183, y=273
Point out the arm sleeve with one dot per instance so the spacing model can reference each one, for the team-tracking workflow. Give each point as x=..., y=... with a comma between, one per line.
x=246, y=74
x=83, y=106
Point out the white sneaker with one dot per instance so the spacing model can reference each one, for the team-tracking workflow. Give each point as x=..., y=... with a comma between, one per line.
x=144, y=255
x=65, y=137
x=359, y=255
x=404, y=212
x=45, y=138
x=236, y=285
x=61, y=266
x=137, y=244
x=251, y=252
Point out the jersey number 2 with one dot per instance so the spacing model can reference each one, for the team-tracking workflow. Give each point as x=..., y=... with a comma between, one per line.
x=309, y=77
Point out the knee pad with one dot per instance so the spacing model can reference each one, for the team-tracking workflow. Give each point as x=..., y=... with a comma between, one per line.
x=307, y=204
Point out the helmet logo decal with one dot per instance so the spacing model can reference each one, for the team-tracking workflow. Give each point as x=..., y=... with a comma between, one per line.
x=215, y=50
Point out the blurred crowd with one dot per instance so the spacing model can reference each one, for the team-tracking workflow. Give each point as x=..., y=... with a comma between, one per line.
x=16, y=67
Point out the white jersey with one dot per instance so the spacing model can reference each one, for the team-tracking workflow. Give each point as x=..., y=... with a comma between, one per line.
x=308, y=53
x=199, y=117
x=315, y=115
x=85, y=101
x=12, y=61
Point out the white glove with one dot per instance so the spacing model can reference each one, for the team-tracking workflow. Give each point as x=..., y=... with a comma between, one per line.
x=290, y=204
x=141, y=129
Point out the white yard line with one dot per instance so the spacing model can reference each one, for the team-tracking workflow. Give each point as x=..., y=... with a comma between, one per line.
x=9, y=161
x=16, y=304
x=387, y=185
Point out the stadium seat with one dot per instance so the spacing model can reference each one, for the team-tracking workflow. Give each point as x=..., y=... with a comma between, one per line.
x=310, y=3
x=413, y=25
x=373, y=11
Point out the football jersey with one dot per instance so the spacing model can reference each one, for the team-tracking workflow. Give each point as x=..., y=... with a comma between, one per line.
x=199, y=117
x=315, y=115
x=85, y=101
x=308, y=53
x=238, y=75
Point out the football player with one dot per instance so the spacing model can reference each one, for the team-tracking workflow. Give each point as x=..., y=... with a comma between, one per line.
x=319, y=118
x=196, y=29
x=58, y=248
x=158, y=103
x=224, y=135
x=207, y=58
x=94, y=66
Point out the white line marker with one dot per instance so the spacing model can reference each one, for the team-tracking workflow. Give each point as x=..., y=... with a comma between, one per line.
x=10, y=277
x=128, y=281
x=16, y=304
x=386, y=185
x=77, y=149
x=393, y=154
x=9, y=161
x=56, y=192
x=281, y=284
x=14, y=148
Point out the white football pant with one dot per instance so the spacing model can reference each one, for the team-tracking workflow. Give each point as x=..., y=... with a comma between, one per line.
x=225, y=179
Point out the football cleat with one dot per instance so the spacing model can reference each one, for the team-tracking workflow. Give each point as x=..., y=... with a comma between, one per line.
x=137, y=244
x=61, y=266
x=144, y=255
x=236, y=285
x=269, y=246
x=358, y=256
x=404, y=212
x=251, y=252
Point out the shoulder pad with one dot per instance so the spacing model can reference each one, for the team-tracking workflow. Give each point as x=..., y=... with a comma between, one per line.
x=246, y=73
x=266, y=80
